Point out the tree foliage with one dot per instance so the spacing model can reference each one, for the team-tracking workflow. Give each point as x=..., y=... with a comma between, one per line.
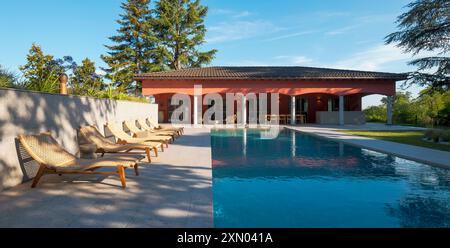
x=179, y=25
x=148, y=40
x=85, y=81
x=7, y=78
x=431, y=108
x=426, y=27
x=134, y=50
x=41, y=72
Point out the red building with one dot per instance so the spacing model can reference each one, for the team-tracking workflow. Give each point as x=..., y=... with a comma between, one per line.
x=324, y=96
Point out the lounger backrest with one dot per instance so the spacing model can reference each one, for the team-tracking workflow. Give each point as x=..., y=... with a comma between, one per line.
x=132, y=127
x=118, y=132
x=45, y=150
x=152, y=123
x=144, y=125
x=92, y=135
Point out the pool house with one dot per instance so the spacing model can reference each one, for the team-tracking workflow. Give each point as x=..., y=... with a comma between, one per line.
x=306, y=95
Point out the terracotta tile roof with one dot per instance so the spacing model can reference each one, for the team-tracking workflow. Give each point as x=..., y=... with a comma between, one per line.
x=276, y=73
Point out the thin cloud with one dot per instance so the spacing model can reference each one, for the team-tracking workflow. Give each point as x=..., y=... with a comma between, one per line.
x=281, y=37
x=342, y=30
x=373, y=59
x=231, y=13
x=239, y=30
x=295, y=60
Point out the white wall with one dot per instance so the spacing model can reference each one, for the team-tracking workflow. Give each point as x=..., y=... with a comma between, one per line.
x=31, y=112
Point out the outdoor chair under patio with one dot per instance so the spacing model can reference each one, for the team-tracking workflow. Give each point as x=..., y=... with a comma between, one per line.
x=124, y=138
x=139, y=133
x=149, y=124
x=104, y=145
x=54, y=159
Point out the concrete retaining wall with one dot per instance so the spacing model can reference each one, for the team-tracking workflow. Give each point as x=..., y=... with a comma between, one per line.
x=31, y=112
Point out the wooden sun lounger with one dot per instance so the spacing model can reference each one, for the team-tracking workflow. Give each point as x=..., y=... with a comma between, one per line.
x=53, y=159
x=104, y=145
x=139, y=133
x=148, y=124
x=124, y=138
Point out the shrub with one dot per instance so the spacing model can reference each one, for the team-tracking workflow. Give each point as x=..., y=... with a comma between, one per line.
x=436, y=135
x=428, y=134
x=446, y=136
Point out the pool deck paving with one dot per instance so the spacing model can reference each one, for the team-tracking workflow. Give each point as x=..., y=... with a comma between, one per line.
x=416, y=153
x=173, y=191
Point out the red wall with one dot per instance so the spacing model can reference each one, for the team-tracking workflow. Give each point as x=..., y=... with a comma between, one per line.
x=335, y=87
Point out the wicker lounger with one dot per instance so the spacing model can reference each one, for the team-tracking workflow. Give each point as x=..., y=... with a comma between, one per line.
x=104, y=145
x=124, y=138
x=138, y=133
x=148, y=124
x=53, y=159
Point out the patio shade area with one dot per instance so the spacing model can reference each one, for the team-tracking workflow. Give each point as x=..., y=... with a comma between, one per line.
x=307, y=95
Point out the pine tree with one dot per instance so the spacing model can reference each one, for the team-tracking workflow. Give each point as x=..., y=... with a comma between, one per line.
x=41, y=73
x=134, y=46
x=85, y=81
x=179, y=25
x=426, y=27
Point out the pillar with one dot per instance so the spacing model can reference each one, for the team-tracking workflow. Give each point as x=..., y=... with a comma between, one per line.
x=390, y=107
x=244, y=110
x=341, y=110
x=196, y=101
x=293, y=114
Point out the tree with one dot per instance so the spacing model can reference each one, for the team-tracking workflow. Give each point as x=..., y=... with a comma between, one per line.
x=85, y=80
x=376, y=114
x=426, y=27
x=179, y=25
x=7, y=78
x=135, y=46
x=41, y=73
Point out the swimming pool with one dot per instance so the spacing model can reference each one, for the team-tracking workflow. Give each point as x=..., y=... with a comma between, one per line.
x=300, y=180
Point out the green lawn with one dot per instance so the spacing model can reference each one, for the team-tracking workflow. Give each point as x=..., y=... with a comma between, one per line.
x=405, y=137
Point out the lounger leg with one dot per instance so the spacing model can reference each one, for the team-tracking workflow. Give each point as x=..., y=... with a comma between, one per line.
x=38, y=176
x=162, y=148
x=121, y=171
x=136, y=169
x=156, y=151
x=167, y=144
x=147, y=151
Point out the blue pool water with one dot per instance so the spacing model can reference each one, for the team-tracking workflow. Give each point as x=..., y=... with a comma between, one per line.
x=299, y=180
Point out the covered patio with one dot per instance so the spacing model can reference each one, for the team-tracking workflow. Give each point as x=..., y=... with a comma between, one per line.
x=306, y=95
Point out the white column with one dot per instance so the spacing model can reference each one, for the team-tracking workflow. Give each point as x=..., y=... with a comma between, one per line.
x=195, y=110
x=341, y=111
x=293, y=105
x=244, y=110
x=330, y=105
x=390, y=103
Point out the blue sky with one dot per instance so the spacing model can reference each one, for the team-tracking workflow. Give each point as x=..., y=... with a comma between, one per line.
x=327, y=33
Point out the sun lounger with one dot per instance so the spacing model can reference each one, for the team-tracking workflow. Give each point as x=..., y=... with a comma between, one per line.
x=53, y=159
x=148, y=124
x=124, y=138
x=139, y=133
x=104, y=145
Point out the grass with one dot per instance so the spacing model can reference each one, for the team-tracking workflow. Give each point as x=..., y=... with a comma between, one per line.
x=405, y=137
